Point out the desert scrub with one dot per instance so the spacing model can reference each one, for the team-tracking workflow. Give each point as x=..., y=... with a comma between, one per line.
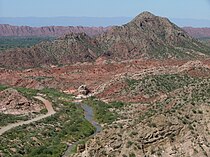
x=5, y=119
x=40, y=78
x=151, y=85
x=27, y=92
x=48, y=136
x=3, y=87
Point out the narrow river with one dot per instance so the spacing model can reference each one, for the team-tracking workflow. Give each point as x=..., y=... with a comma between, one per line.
x=89, y=115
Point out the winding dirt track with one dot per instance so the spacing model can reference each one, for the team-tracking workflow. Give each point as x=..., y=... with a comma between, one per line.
x=50, y=112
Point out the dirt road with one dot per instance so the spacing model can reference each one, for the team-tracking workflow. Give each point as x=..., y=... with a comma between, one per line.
x=50, y=112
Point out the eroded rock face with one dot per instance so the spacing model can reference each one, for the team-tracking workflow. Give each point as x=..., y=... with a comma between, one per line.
x=83, y=90
x=12, y=102
x=142, y=140
x=55, y=31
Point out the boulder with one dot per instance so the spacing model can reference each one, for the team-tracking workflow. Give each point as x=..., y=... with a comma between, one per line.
x=83, y=90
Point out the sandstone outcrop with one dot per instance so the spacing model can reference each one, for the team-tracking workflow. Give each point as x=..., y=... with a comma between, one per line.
x=12, y=102
x=83, y=90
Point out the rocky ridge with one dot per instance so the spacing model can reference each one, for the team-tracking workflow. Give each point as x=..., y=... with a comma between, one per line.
x=198, y=32
x=146, y=37
x=50, y=31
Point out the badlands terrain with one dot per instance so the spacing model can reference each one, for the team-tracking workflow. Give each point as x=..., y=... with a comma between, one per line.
x=148, y=83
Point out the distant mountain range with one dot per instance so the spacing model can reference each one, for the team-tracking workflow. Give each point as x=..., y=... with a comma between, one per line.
x=198, y=32
x=58, y=31
x=145, y=37
x=65, y=21
x=89, y=21
x=48, y=31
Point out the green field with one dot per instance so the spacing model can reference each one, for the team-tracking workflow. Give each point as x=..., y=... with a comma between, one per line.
x=21, y=42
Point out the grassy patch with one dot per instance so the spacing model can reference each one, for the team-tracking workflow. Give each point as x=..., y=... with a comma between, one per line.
x=21, y=42
x=9, y=118
x=103, y=113
x=3, y=87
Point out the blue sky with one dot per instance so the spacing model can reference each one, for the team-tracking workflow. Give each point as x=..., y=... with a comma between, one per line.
x=194, y=9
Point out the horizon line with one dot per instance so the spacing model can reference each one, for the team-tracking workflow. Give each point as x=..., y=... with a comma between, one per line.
x=98, y=17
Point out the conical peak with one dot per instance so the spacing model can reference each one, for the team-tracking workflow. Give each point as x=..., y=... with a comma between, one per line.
x=144, y=14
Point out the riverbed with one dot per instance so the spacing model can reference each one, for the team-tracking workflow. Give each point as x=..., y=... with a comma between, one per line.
x=89, y=116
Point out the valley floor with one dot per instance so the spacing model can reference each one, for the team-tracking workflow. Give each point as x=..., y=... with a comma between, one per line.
x=145, y=108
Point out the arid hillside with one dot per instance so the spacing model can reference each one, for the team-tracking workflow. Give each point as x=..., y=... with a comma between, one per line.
x=147, y=84
x=146, y=37
x=166, y=104
x=166, y=114
x=150, y=37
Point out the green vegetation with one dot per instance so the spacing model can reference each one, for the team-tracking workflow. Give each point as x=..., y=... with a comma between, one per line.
x=9, y=118
x=129, y=144
x=191, y=93
x=132, y=155
x=3, y=87
x=48, y=136
x=27, y=92
x=103, y=113
x=151, y=85
x=5, y=119
x=20, y=42
x=40, y=78
x=205, y=40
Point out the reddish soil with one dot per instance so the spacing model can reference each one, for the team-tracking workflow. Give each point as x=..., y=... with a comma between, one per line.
x=96, y=76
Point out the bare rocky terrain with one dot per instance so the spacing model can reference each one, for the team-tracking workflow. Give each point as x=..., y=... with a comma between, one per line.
x=149, y=83
x=13, y=102
x=167, y=104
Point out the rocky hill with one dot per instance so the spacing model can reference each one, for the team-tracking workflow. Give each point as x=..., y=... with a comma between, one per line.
x=69, y=49
x=198, y=32
x=50, y=31
x=13, y=102
x=147, y=36
x=150, y=36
